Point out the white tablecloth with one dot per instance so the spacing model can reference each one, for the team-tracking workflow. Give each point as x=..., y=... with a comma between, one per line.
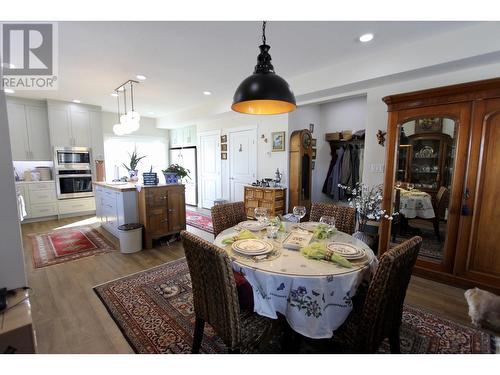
x=314, y=296
x=416, y=204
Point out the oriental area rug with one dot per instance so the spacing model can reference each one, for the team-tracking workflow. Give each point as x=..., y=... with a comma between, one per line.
x=154, y=310
x=68, y=244
x=200, y=221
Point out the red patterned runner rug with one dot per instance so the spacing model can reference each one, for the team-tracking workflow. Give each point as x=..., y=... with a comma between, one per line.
x=154, y=310
x=200, y=221
x=68, y=244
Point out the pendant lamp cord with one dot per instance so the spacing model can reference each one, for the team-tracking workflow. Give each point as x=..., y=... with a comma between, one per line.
x=118, y=100
x=125, y=100
x=264, y=32
x=132, y=94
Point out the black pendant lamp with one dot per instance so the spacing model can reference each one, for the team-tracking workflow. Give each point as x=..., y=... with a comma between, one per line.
x=264, y=92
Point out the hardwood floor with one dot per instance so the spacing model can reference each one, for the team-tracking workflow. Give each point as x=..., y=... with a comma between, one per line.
x=69, y=318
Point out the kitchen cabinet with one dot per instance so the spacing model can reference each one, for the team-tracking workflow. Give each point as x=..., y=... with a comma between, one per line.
x=162, y=211
x=182, y=137
x=74, y=124
x=28, y=127
x=39, y=199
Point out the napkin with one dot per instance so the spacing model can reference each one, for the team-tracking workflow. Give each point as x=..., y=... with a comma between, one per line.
x=243, y=235
x=323, y=231
x=318, y=250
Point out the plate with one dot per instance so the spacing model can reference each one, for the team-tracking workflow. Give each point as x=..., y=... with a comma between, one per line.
x=252, y=247
x=347, y=250
x=251, y=225
x=310, y=226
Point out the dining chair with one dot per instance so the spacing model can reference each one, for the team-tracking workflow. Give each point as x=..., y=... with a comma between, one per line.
x=215, y=298
x=345, y=216
x=227, y=215
x=378, y=309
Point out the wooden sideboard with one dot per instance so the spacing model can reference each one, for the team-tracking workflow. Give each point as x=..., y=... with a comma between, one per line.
x=162, y=211
x=270, y=198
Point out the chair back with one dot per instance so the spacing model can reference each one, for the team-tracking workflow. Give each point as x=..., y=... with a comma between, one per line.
x=227, y=215
x=442, y=201
x=383, y=306
x=215, y=296
x=345, y=216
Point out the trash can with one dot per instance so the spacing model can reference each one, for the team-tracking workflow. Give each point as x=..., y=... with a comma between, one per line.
x=130, y=236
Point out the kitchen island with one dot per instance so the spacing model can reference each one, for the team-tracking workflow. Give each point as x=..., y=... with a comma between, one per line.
x=159, y=208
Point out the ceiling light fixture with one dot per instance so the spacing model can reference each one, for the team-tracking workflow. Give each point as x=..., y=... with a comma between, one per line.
x=76, y=101
x=128, y=122
x=141, y=77
x=9, y=91
x=264, y=92
x=366, y=37
x=207, y=93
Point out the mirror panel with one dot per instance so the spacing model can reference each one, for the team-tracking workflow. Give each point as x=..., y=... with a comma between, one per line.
x=423, y=182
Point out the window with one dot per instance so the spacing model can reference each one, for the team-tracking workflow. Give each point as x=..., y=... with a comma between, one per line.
x=117, y=149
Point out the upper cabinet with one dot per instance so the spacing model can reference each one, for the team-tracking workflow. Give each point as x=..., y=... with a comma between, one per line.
x=182, y=137
x=29, y=129
x=74, y=124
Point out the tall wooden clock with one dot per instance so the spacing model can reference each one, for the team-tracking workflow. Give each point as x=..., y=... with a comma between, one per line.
x=300, y=170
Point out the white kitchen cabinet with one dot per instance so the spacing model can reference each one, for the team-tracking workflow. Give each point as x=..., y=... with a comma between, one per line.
x=96, y=135
x=29, y=130
x=72, y=124
x=183, y=137
x=75, y=205
x=39, y=199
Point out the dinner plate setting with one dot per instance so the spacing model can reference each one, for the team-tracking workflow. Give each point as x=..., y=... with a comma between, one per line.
x=348, y=251
x=251, y=225
x=252, y=247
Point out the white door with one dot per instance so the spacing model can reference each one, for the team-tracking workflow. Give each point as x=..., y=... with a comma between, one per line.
x=80, y=127
x=210, y=169
x=242, y=161
x=38, y=133
x=18, y=131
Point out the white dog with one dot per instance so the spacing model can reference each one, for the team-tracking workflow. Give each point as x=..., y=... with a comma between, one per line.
x=484, y=308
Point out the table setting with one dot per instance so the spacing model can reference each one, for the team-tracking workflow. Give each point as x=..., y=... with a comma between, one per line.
x=307, y=271
x=416, y=203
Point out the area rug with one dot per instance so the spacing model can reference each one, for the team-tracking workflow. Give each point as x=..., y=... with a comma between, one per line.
x=154, y=311
x=68, y=244
x=200, y=221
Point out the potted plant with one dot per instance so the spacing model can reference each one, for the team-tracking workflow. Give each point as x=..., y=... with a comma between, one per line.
x=175, y=172
x=367, y=201
x=132, y=166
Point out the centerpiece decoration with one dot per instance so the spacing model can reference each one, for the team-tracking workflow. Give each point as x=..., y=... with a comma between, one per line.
x=132, y=166
x=368, y=204
x=175, y=172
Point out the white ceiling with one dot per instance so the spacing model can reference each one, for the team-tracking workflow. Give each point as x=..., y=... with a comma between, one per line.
x=182, y=59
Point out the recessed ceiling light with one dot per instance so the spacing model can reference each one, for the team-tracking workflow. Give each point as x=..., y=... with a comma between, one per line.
x=366, y=37
x=151, y=113
x=141, y=77
x=207, y=93
x=76, y=101
x=8, y=91
x=115, y=94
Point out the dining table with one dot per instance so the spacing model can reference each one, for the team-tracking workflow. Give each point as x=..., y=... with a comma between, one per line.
x=315, y=296
x=415, y=203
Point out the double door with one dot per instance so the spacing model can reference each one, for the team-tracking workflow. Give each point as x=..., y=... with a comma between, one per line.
x=460, y=239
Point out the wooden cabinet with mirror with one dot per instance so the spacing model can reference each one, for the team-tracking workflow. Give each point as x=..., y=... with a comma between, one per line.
x=300, y=169
x=441, y=158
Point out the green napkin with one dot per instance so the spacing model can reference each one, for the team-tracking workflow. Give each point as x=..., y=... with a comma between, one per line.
x=317, y=250
x=323, y=231
x=243, y=235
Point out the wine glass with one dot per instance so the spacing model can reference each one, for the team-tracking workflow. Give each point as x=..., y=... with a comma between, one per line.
x=328, y=220
x=261, y=214
x=299, y=212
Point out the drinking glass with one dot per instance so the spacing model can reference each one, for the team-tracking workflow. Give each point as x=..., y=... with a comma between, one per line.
x=274, y=227
x=299, y=211
x=261, y=214
x=327, y=220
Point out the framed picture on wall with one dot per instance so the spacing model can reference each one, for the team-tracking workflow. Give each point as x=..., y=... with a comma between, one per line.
x=311, y=128
x=313, y=142
x=314, y=154
x=223, y=147
x=278, y=139
x=313, y=164
x=223, y=155
x=223, y=138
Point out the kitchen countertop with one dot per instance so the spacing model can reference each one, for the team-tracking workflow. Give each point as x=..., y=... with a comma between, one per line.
x=130, y=186
x=33, y=182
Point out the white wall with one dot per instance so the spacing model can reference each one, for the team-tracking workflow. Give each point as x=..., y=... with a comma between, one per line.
x=267, y=161
x=12, y=274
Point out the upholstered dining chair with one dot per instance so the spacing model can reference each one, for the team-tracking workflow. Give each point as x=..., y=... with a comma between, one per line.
x=378, y=310
x=227, y=215
x=215, y=298
x=345, y=216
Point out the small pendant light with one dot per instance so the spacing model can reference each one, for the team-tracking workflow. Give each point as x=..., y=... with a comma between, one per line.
x=264, y=92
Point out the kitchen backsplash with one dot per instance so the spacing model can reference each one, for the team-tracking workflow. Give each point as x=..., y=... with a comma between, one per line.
x=22, y=166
